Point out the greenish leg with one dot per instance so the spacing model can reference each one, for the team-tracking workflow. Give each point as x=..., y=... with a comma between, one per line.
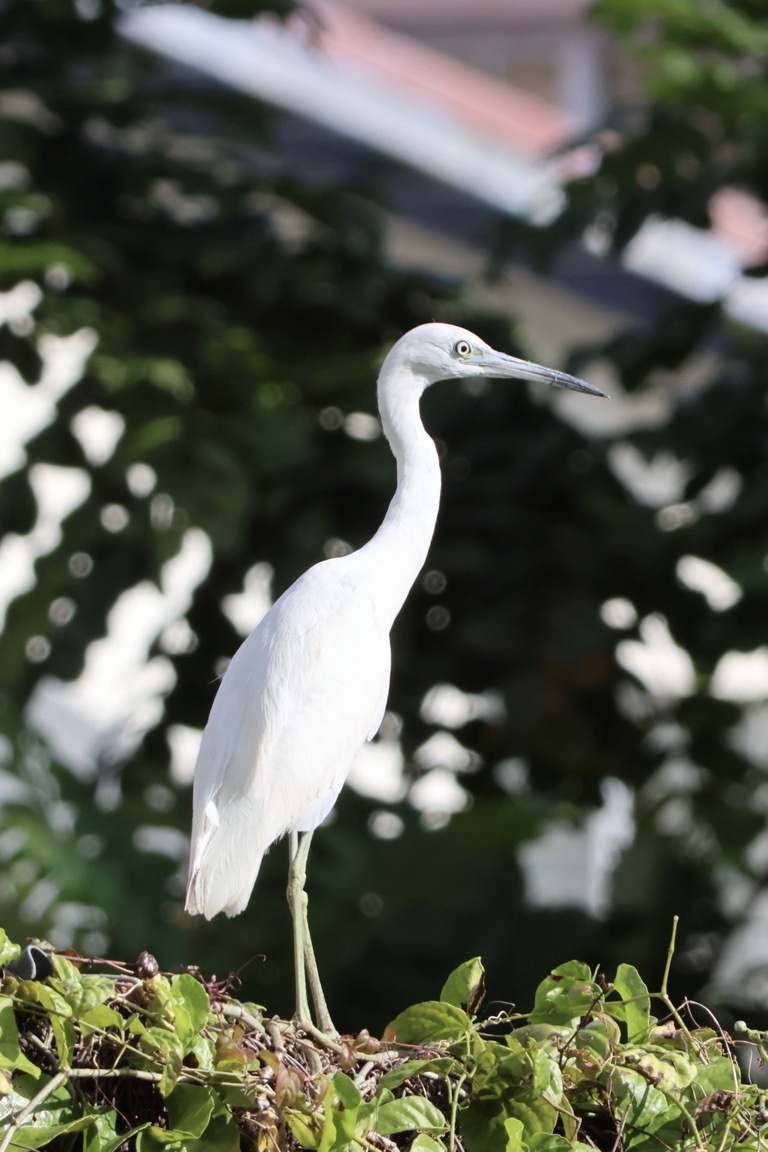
x=297, y=900
x=304, y=954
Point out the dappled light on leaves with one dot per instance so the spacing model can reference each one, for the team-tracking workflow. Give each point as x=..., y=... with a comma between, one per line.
x=619, y=613
x=716, y=586
x=98, y=431
x=661, y=665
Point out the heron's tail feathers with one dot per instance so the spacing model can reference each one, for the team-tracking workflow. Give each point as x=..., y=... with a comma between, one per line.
x=225, y=860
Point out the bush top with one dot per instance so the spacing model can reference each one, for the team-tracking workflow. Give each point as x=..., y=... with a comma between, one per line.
x=104, y=1055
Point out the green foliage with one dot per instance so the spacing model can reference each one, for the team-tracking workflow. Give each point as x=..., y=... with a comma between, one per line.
x=104, y=1058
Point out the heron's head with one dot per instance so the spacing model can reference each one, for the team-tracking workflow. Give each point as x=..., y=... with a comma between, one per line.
x=435, y=352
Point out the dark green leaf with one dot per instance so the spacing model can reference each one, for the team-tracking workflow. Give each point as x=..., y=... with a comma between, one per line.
x=397, y=1076
x=465, y=986
x=190, y=1107
x=428, y=1023
x=637, y=1003
x=11, y=1056
x=566, y=995
x=408, y=1114
x=424, y=1143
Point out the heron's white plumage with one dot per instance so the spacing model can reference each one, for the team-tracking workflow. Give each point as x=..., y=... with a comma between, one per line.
x=309, y=686
x=275, y=753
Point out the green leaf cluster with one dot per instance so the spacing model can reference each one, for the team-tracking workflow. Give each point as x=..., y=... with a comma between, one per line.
x=589, y=1066
x=108, y=1059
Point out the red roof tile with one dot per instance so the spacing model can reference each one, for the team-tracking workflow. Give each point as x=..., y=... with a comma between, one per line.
x=490, y=106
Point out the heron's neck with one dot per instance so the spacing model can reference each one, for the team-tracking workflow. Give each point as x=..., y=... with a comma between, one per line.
x=399, y=548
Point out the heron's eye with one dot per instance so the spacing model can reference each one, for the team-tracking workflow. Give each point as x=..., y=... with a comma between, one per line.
x=463, y=348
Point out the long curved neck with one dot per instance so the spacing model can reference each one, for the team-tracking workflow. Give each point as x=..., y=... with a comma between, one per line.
x=398, y=550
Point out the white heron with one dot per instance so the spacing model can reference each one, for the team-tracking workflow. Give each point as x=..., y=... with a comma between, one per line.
x=309, y=685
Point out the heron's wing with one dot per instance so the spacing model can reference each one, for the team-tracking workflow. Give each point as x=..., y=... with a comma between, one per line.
x=328, y=685
x=381, y=707
x=226, y=845
x=300, y=697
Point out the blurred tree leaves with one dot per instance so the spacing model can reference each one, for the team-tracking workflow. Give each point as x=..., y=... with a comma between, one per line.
x=238, y=318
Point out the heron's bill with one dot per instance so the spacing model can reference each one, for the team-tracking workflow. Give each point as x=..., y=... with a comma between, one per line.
x=512, y=367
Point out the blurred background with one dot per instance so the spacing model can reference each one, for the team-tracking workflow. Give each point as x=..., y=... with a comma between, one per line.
x=216, y=217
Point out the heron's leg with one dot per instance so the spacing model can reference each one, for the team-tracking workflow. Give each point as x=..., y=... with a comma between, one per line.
x=324, y=1021
x=298, y=900
x=297, y=903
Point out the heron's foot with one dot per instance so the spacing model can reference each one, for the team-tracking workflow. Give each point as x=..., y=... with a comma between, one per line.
x=324, y=1025
x=324, y=1031
x=325, y=1034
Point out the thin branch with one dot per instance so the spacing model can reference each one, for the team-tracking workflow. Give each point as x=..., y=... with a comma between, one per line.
x=111, y=1074
x=670, y=954
x=238, y=1012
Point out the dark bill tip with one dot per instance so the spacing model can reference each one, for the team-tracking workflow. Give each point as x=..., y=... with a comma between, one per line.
x=563, y=380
